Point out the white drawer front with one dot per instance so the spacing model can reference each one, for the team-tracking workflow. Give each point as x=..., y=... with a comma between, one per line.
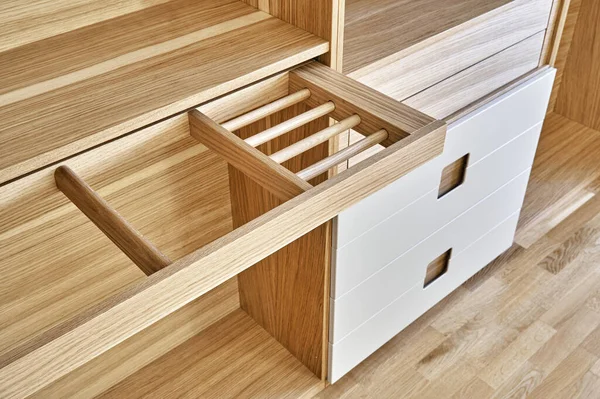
x=355, y=347
x=379, y=246
x=500, y=121
x=358, y=305
x=478, y=134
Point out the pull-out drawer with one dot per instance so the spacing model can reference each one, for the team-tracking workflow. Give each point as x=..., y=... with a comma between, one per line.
x=355, y=307
x=379, y=329
x=386, y=242
x=493, y=142
x=86, y=316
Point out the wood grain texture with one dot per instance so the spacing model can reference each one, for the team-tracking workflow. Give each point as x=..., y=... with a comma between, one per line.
x=25, y=23
x=233, y=358
x=475, y=82
x=414, y=69
x=350, y=97
x=286, y=292
x=323, y=18
x=437, y=268
x=163, y=337
x=258, y=166
x=578, y=98
x=46, y=98
x=159, y=179
x=565, y=164
x=34, y=366
x=377, y=29
x=564, y=46
x=491, y=338
x=556, y=26
x=141, y=251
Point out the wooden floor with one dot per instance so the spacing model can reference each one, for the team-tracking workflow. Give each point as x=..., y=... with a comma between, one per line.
x=527, y=326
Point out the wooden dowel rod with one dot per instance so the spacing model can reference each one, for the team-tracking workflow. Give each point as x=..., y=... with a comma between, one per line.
x=142, y=252
x=290, y=124
x=315, y=139
x=266, y=110
x=343, y=155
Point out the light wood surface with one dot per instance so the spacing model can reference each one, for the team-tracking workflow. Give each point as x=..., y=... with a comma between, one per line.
x=566, y=164
x=266, y=110
x=166, y=291
x=170, y=188
x=578, y=98
x=286, y=292
x=342, y=155
x=234, y=358
x=323, y=18
x=136, y=78
x=560, y=55
x=527, y=326
x=412, y=70
x=315, y=139
x=141, y=251
x=475, y=82
x=376, y=110
x=290, y=124
x=437, y=268
x=24, y=23
x=379, y=28
x=115, y=365
x=269, y=174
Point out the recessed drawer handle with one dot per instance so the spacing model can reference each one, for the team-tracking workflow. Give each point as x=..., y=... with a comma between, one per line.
x=141, y=251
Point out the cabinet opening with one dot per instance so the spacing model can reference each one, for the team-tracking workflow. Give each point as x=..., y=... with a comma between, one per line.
x=453, y=176
x=437, y=268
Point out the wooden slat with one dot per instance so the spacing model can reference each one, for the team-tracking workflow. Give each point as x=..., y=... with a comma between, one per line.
x=70, y=345
x=266, y=110
x=141, y=251
x=259, y=167
x=103, y=75
x=290, y=124
x=342, y=155
x=315, y=139
x=350, y=97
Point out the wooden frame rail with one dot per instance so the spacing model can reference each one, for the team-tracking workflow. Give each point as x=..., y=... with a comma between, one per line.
x=141, y=251
x=67, y=346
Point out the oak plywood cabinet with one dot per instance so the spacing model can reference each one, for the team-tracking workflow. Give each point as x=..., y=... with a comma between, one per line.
x=217, y=198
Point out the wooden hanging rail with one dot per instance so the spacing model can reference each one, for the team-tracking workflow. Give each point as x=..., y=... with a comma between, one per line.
x=315, y=139
x=290, y=124
x=141, y=251
x=343, y=155
x=266, y=110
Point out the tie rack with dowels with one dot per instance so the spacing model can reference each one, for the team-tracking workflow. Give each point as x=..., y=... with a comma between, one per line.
x=274, y=135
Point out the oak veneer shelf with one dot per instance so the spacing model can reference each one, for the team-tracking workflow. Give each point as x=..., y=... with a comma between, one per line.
x=376, y=29
x=66, y=93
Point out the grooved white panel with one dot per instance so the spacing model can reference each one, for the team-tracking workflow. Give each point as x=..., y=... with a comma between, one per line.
x=355, y=347
x=358, y=305
x=479, y=133
x=380, y=245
